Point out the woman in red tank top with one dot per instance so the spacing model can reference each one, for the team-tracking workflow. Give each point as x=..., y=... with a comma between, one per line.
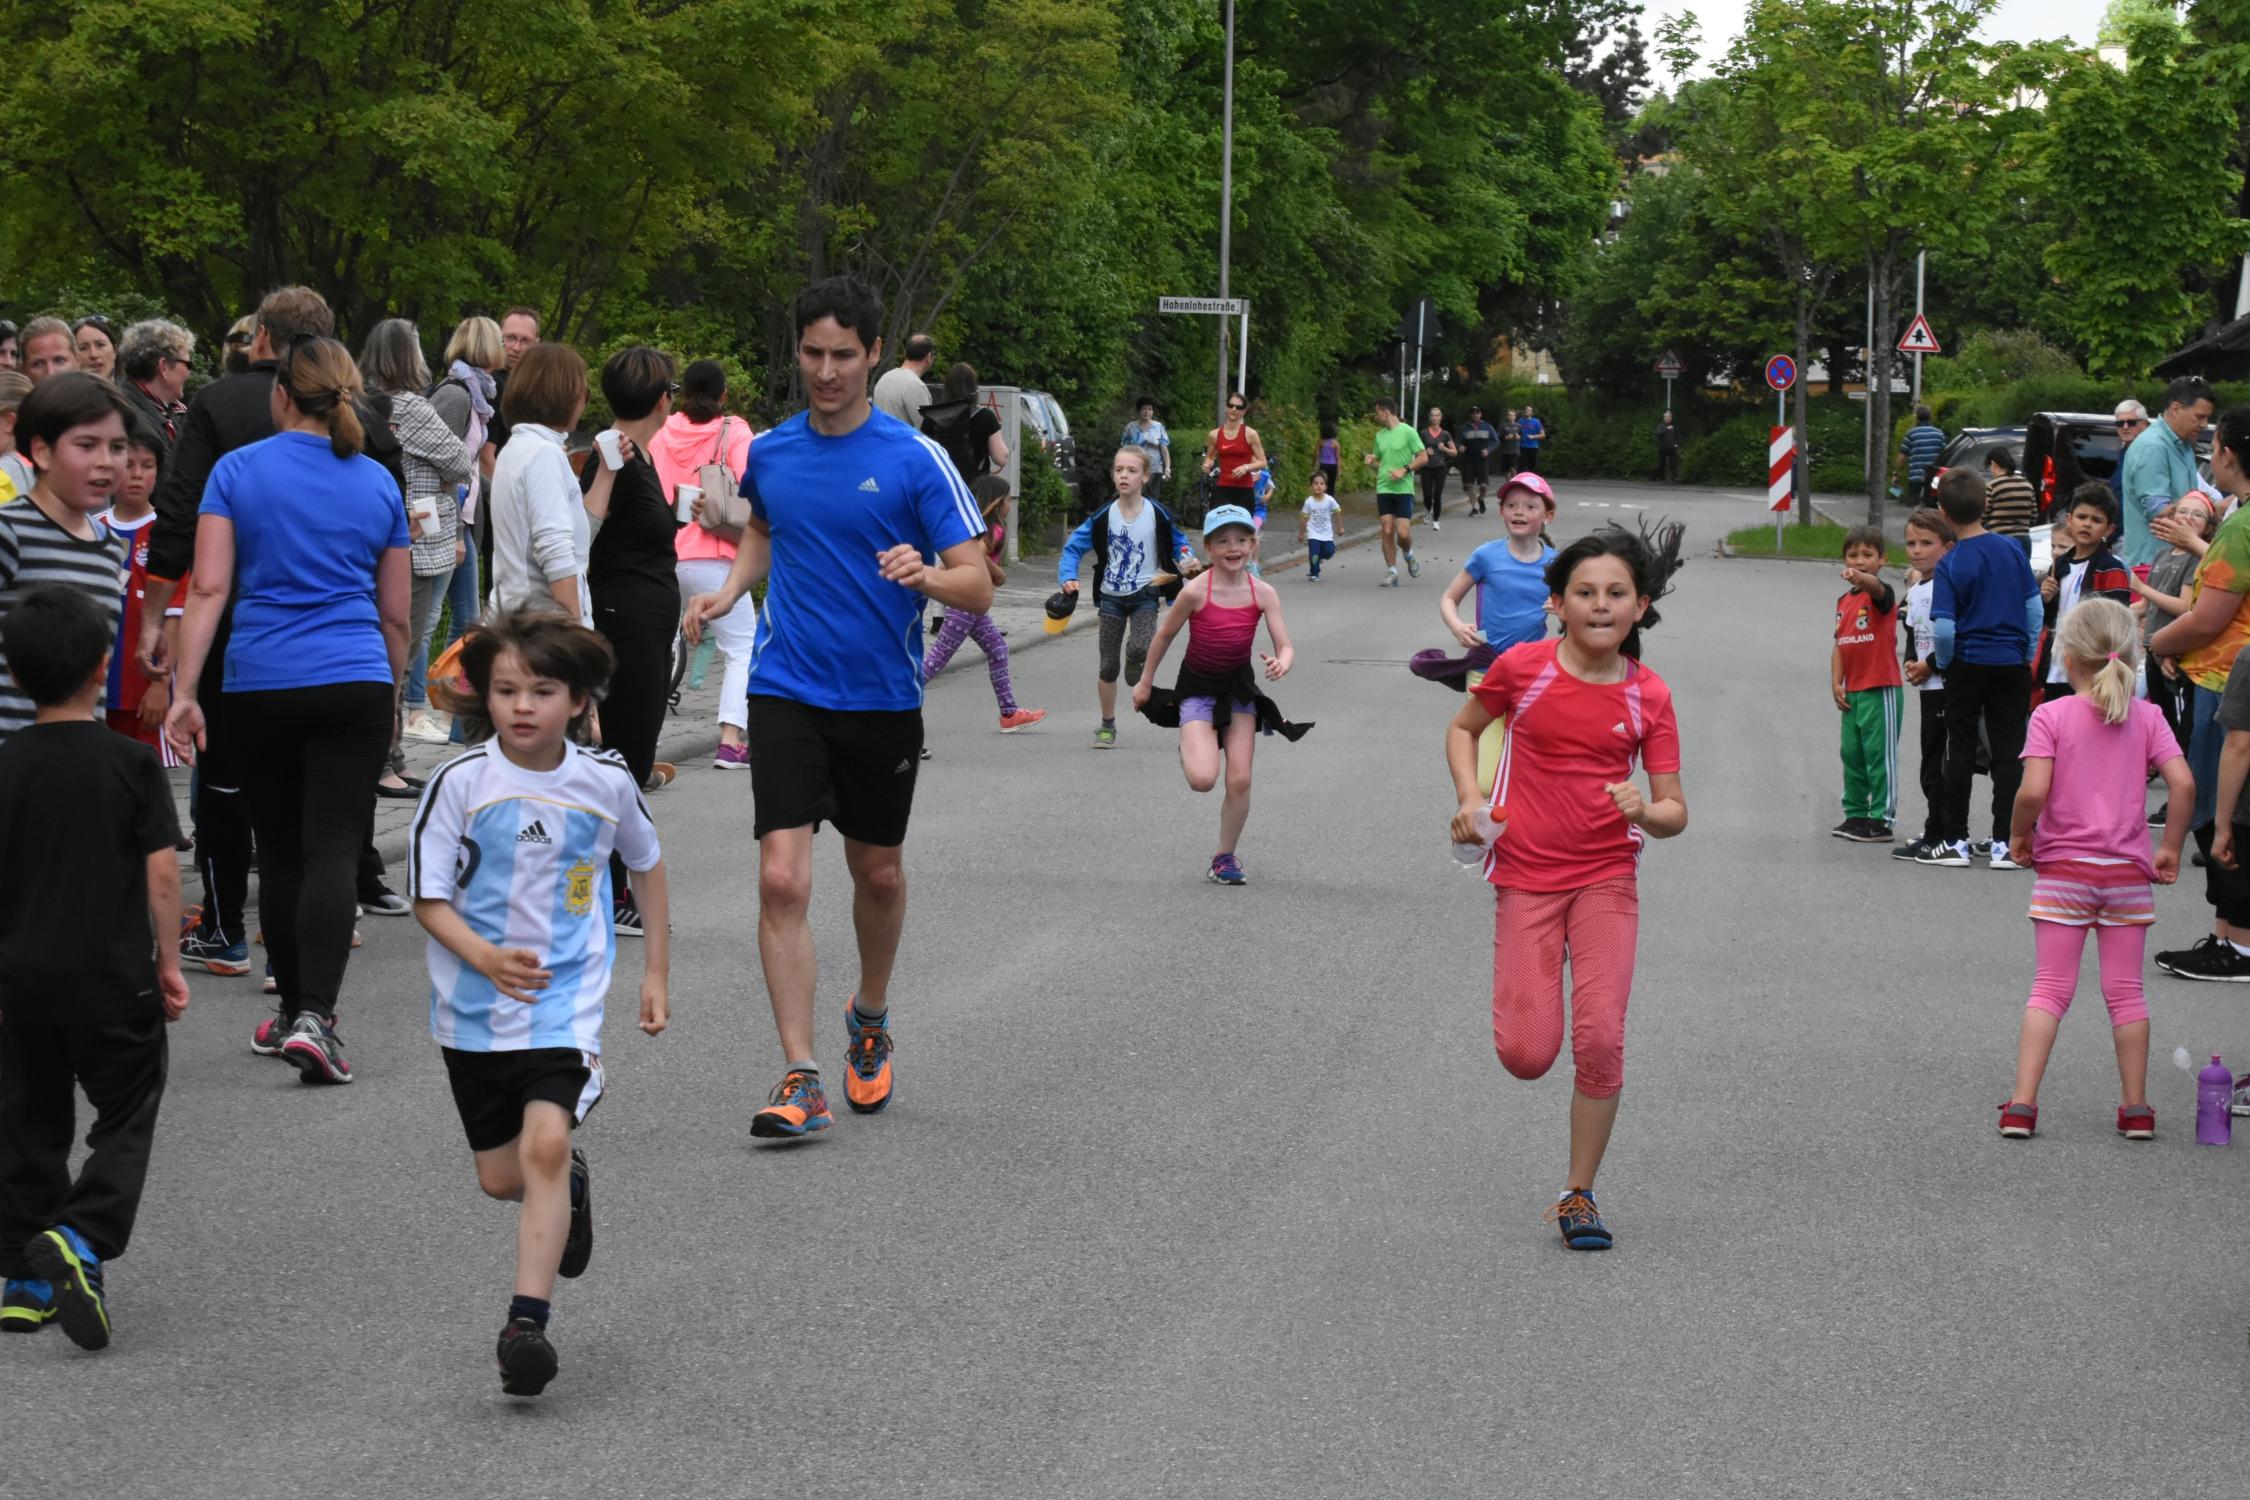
x=1234, y=456
x=1216, y=704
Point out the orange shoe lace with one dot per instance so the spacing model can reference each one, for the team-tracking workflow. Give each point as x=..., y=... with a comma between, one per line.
x=1573, y=1205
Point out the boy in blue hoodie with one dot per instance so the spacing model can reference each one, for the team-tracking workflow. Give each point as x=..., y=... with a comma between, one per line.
x=1986, y=612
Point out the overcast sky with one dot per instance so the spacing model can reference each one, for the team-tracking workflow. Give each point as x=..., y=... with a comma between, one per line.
x=2011, y=21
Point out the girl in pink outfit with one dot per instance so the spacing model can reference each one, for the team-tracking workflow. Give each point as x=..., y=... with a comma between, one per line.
x=2085, y=759
x=700, y=433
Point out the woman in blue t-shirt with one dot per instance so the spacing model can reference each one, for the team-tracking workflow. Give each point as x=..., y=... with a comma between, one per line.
x=309, y=537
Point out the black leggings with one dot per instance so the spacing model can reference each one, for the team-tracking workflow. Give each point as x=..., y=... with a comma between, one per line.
x=639, y=692
x=310, y=757
x=1433, y=488
x=1132, y=632
x=1999, y=699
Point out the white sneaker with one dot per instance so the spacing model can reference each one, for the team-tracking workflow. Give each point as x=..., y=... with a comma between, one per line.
x=1434, y=526
x=1998, y=849
x=430, y=728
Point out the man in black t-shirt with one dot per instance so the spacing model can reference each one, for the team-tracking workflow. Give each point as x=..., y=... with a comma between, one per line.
x=89, y=970
x=1478, y=438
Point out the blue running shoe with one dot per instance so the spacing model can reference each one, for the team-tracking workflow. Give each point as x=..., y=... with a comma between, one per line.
x=26, y=1306
x=798, y=1106
x=62, y=1257
x=215, y=953
x=1580, y=1221
x=1227, y=870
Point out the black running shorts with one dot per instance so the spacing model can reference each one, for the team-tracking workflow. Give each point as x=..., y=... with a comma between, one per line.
x=1474, y=469
x=490, y=1089
x=852, y=768
x=1400, y=506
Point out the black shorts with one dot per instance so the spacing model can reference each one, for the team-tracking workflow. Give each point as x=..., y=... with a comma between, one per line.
x=1401, y=506
x=490, y=1089
x=853, y=768
x=1475, y=469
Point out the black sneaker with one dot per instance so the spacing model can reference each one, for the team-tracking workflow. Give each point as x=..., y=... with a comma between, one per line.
x=2211, y=958
x=382, y=901
x=527, y=1360
x=1849, y=828
x=578, y=1245
x=1580, y=1222
x=1912, y=851
x=625, y=917
x=1953, y=855
x=1869, y=831
x=2156, y=818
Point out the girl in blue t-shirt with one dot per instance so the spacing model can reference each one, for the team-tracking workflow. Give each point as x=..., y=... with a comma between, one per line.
x=1509, y=575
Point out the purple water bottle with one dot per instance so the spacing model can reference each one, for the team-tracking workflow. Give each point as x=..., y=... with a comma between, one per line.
x=2214, y=1101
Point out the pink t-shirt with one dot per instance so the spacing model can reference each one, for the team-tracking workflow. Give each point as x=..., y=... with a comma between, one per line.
x=2097, y=807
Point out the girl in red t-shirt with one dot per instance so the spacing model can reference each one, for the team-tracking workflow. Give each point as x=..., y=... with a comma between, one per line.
x=1581, y=712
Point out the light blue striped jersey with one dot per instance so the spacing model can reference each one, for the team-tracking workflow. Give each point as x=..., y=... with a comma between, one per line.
x=523, y=856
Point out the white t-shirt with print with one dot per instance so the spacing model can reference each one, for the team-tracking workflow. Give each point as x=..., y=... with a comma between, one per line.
x=1132, y=558
x=1320, y=517
x=1918, y=600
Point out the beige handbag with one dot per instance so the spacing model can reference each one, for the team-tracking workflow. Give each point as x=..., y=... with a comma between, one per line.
x=718, y=482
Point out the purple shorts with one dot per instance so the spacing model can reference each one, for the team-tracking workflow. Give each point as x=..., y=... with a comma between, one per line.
x=1198, y=710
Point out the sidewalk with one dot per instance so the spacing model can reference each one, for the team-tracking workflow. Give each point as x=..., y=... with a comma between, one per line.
x=691, y=731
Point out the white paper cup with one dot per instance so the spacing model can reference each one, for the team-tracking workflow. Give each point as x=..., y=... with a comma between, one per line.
x=425, y=514
x=689, y=495
x=611, y=444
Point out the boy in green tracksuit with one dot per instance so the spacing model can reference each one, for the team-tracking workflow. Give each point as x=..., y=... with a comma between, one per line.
x=1864, y=678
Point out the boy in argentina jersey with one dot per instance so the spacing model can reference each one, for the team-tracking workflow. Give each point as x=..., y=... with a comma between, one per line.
x=509, y=868
x=523, y=856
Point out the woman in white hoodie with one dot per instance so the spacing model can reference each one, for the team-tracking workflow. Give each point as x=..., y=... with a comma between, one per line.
x=540, y=530
x=700, y=434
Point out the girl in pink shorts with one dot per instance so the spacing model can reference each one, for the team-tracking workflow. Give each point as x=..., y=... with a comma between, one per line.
x=2085, y=760
x=1582, y=712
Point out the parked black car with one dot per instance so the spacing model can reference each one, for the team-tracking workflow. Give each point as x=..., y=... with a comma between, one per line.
x=1972, y=446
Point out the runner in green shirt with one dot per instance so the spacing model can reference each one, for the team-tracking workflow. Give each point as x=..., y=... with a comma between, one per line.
x=1398, y=453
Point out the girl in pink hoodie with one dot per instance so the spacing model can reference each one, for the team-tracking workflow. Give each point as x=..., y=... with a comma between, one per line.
x=701, y=433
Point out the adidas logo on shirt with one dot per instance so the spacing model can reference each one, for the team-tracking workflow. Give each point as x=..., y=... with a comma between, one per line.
x=1618, y=727
x=870, y=486
x=536, y=833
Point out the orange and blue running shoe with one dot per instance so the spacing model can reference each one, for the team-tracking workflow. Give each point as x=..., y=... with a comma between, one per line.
x=798, y=1106
x=867, y=1087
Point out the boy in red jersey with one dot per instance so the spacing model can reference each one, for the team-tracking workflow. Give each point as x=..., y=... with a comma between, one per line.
x=135, y=704
x=1863, y=676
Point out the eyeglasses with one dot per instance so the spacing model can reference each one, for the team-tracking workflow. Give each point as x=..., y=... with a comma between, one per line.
x=238, y=341
x=1234, y=406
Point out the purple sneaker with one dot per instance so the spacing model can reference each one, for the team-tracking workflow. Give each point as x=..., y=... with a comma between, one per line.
x=731, y=758
x=1227, y=870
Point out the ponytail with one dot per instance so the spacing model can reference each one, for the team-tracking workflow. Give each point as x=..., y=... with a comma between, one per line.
x=322, y=382
x=2100, y=636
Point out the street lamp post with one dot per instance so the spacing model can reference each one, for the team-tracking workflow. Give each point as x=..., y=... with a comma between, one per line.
x=1226, y=210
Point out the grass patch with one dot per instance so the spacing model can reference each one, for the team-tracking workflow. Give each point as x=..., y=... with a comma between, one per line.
x=1823, y=540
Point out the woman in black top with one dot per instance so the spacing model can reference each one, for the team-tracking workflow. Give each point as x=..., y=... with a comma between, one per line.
x=965, y=428
x=630, y=573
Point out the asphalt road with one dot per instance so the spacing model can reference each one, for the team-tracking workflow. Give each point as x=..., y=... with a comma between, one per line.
x=1204, y=1192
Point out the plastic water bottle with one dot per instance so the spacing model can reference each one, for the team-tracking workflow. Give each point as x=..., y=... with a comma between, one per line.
x=1472, y=855
x=2214, y=1104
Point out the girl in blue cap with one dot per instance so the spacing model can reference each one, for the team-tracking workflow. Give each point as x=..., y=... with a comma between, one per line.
x=1215, y=703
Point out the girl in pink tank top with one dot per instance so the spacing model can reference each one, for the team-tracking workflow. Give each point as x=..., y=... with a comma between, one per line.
x=1216, y=703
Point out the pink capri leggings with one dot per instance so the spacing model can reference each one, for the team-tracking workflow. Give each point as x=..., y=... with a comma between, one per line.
x=2115, y=901
x=1596, y=927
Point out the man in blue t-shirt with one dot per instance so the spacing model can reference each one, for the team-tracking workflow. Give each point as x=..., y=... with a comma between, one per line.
x=1530, y=433
x=855, y=521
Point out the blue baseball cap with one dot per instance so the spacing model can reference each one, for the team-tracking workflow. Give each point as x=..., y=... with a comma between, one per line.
x=1228, y=515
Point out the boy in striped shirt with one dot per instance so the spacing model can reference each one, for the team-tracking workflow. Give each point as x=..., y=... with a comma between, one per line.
x=72, y=428
x=510, y=876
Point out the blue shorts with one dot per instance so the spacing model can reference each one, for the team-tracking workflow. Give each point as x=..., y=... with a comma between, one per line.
x=1125, y=606
x=1401, y=506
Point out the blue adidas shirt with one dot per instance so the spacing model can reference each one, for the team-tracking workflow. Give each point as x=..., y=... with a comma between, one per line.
x=835, y=633
x=1511, y=594
x=309, y=529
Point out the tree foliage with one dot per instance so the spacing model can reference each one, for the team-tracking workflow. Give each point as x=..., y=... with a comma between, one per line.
x=1022, y=178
